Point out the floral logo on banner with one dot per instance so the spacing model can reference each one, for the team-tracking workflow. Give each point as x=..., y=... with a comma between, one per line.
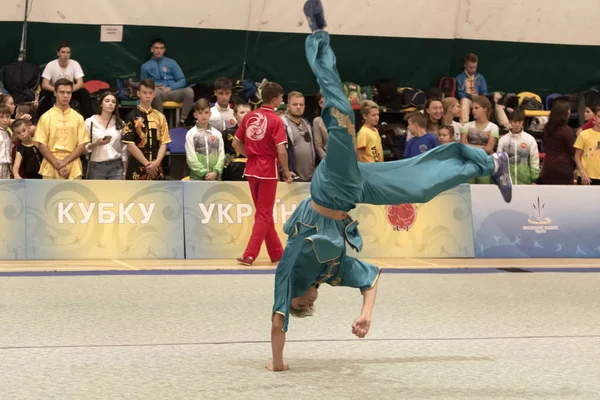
x=401, y=216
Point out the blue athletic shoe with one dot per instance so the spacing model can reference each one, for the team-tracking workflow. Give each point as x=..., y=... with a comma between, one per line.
x=502, y=176
x=313, y=9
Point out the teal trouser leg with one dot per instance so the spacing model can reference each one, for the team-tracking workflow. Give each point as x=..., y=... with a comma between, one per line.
x=419, y=179
x=337, y=181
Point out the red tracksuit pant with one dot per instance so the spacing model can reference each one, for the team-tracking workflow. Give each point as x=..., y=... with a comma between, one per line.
x=263, y=194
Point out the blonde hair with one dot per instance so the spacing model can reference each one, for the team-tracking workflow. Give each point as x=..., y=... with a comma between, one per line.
x=366, y=106
x=202, y=104
x=448, y=103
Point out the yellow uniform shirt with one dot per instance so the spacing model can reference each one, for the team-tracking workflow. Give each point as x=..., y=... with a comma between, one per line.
x=62, y=132
x=369, y=140
x=588, y=141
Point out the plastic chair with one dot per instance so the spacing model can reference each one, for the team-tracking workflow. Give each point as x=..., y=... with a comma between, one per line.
x=177, y=145
x=173, y=105
x=550, y=98
x=94, y=85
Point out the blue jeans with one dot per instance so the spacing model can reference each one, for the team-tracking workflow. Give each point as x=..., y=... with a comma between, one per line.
x=106, y=170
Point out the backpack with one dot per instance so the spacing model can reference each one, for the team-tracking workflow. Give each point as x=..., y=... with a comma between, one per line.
x=448, y=86
x=387, y=94
x=127, y=89
x=353, y=93
x=531, y=103
x=21, y=79
x=410, y=97
x=510, y=100
x=246, y=91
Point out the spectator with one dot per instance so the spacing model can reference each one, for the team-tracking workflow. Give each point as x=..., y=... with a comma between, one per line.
x=5, y=143
x=590, y=119
x=61, y=136
x=27, y=112
x=168, y=79
x=7, y=100
x=28, y=158
x=522, y=150
x=204, y=148
x=452, y=111
x=559, y=167
x=470, y=84
x=300, y=137
x=221, y=115
x=107, y=152
x=481, y=133
x=146, y=135
x=319, y=129
x=588, y=145
x=446, y=134
x=261, y=136
x=64, y=68
x=234, y=161
x=368, y=141
x=434, y=111
x=422, y=140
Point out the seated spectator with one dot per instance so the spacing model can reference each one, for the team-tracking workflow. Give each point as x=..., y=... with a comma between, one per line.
x=61, y=136
x=470, y=84
x=106, y=150
x=28, y=158
x=558, y=167
x=434, y=111
x=146, y=134
x=234, y=161
x=590, y=119
x=319, y=128
x=7, y=100
x=300, y=142
x=5, y=143
x=204, y=149
x=368, y=142
x=446, y=134
x=221, y=115
x=481, y=133
x=27, y=112
x=452, y=110
x=64, y=68
x=422, y=140
x=522, y=150
x=168, y=79
x=587, y=153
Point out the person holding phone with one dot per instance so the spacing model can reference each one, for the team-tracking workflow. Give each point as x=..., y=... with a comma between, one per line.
x=106, y=151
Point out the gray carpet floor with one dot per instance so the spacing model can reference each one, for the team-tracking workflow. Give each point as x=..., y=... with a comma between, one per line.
x=440, y=336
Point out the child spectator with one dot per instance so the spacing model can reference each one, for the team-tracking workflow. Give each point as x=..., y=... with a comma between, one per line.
x=587, y=153
x=221, y=115
x=27, y=112
x=319, y=129
x=422, y=140
x=452, y=110
x=204, y=148
x=481, y=133
x=522, y=151
x=368, y=141
x=5, y=143
x=446, y=134
x=28, y=158
x=7, y=100
x=590, y=119
x=234, y=161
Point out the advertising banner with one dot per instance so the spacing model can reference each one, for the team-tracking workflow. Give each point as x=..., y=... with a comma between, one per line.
x=540, y=222
x=12, y=220
x=219, y=218
x=104, y=220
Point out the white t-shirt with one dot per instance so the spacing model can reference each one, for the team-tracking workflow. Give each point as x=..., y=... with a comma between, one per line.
x=457, y=130
x=54, y=71
x=222, y=118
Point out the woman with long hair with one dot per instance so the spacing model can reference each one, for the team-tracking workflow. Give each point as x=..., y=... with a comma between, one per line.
x=452, y=110
x=559, y=164
x=107, y=154
x=434, y=111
